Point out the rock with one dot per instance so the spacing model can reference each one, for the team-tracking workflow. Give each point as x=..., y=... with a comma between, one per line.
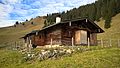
x=69, y=51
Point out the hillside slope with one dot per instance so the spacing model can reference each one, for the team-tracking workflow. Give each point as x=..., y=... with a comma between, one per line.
x=10, y=34
x=114, y=31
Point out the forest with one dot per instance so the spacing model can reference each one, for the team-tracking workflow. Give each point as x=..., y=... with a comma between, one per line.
x=104, y=9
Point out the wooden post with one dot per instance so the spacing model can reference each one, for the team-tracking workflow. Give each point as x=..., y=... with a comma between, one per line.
x=27, y=41
x=70, y=23
x=88, y=42
x=25, y=44
x=110, y=43
x=30, y=44
x=72, y=42
x=101, y=42
x=36, y=33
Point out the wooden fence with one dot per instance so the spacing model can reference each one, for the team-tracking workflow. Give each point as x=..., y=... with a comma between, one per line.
x=101, y=42
x=12, y=44
x=109, y=42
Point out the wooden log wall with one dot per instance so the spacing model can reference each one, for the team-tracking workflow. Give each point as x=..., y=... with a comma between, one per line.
x=55, y=36
x=93, y=39
x=67, y=35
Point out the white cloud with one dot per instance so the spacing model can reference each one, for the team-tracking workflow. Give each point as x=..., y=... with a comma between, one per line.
x=4, y=15
x=18, y=10
x=10, y=1
x=6, y=23
x=5, y=10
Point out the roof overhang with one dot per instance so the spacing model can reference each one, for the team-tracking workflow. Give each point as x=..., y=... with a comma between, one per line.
x=86, y=22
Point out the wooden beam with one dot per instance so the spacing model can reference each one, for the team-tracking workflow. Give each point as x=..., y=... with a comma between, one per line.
x=70, y=23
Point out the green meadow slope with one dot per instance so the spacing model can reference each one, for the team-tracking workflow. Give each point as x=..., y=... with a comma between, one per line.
x=11, y=34
x=113, y=32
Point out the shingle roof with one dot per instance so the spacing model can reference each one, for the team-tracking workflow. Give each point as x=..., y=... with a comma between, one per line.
x=34, y=31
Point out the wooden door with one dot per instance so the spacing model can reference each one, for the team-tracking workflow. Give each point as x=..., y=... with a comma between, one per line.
x=81, y=37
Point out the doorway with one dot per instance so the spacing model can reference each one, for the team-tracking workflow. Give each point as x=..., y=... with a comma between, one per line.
x=81, y=37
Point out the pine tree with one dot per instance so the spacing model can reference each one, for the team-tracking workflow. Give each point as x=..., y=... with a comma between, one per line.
x=104, y=9
x=98, y=11
x=26, y=19
x=107, y=23
x=45, y=23
x=16, y=22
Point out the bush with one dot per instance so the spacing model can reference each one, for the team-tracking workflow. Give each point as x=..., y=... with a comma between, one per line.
x=16, y=22
x=107, y=23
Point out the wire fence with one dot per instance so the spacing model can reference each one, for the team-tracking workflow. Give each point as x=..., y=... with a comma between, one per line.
x=12, y=45
x=103, y=43
x=109, y=42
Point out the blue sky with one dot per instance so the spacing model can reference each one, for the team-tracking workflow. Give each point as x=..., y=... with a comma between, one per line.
x=20, y=10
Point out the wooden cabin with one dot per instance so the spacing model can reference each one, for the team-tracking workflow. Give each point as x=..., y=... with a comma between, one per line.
x=72, y=32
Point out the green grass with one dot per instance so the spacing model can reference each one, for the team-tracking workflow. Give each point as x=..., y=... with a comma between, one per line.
x=113, y=32
x=9, y=59
x=102, y=58
x=91, y=59
x=12, y=34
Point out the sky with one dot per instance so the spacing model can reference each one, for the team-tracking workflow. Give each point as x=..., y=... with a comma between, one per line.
x=20, y=10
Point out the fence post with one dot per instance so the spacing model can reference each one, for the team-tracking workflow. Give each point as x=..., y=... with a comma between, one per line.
x=110, y=43
x=101, y=42
x=18, y=44
x=27, y=41
x=51, y=42
x=88, y=43
x=72, y=42
x=30, y=46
